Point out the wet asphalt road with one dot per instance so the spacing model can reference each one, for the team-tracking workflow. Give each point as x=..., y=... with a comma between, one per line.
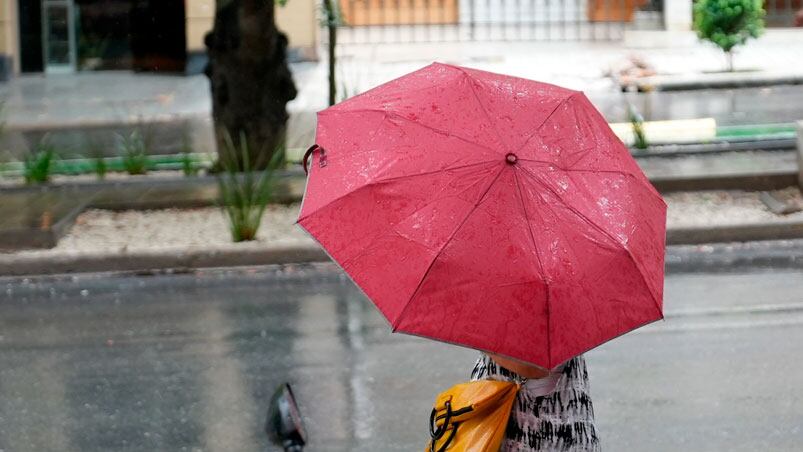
x=188, y=363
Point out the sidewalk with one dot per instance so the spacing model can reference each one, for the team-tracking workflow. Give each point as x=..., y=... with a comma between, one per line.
x=80, y=108
x=577, y=65
x=583, y=66
x=83, y=112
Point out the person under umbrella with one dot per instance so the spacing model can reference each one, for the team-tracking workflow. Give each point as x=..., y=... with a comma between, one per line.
x=499, y=214
x=553, y=410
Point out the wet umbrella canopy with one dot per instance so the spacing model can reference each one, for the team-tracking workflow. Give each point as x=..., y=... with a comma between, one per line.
x=488, y=211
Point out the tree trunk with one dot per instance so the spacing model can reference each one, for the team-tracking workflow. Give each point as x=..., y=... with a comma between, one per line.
x=250, y=80
x=729, y=55
x=331, y=25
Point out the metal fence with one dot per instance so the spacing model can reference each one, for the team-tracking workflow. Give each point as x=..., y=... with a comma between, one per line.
x=398, y=21
x=781, y=13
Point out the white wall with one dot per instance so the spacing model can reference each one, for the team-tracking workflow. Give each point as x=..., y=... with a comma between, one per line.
x=678, y=15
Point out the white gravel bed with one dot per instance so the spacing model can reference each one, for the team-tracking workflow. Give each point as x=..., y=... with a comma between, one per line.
x=99, y=231
x=712, y=208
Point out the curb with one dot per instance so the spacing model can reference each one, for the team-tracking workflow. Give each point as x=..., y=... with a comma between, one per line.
x=711, y=81
x=726, y=257
x=77, y=132
x=713, y=147
x=42, y=237
x=682, y=254
x=764, y=181
x=149, y=261
x=776, y=230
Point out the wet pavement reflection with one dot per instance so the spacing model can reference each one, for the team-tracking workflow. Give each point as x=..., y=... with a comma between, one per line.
x=189, y=362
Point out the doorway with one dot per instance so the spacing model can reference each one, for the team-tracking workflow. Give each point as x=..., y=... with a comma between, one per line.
x=63, y=36
x=58, y=36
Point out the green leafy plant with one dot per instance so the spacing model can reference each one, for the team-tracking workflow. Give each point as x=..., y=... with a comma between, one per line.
x=135, y=150
x=188, y=164
x=637, y=122
x=728, y=23
x=38, y=164
x=100, y=167
x=244, y=195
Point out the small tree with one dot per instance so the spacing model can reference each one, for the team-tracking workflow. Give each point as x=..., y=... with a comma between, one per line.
x=332, y=21
x=728, y=23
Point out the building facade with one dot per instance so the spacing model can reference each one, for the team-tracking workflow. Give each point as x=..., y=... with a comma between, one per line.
x=62, y=36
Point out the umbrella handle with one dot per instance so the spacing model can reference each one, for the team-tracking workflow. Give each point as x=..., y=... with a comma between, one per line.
x=309, y=153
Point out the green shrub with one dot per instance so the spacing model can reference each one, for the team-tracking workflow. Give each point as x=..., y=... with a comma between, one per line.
x=637, y=122
x=135, y=149
x=728, y=23
x=100, y=167
x=244, y=195
x=188, y=164
x=38, y=163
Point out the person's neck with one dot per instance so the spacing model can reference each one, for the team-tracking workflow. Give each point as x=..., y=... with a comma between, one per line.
x=522, y=369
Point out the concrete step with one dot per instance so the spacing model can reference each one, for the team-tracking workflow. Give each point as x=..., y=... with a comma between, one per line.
x=759, y=170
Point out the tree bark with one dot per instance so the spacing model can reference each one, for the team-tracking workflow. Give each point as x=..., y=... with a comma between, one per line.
x=331, y=25
x=250, y=80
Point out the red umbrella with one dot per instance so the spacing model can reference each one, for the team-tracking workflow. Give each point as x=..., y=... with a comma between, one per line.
x=488, y=211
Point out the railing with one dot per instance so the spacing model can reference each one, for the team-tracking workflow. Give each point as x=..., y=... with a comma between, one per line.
x=386, y=21
x=781, y=13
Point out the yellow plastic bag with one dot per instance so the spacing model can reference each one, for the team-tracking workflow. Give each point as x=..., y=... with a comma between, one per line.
x=471, y=417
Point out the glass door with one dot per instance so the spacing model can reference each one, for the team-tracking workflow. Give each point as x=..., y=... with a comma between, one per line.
x=58, y=36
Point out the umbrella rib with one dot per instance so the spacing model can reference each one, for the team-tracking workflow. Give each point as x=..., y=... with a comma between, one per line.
x=548, y=117
x=570, y=246
x=427, y=204
x=484, y=110
x=393, y=114
x=600, y=229
x=425, y=173
x=540, y=266
x=440, y=251
x=391, y=179
x=584, y=170
x=529, y=226
x=398, y=90
x=650, y=188
x=576, y=170
x=593, y=171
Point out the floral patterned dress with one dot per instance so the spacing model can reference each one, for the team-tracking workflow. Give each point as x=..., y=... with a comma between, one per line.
x=553, y=414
